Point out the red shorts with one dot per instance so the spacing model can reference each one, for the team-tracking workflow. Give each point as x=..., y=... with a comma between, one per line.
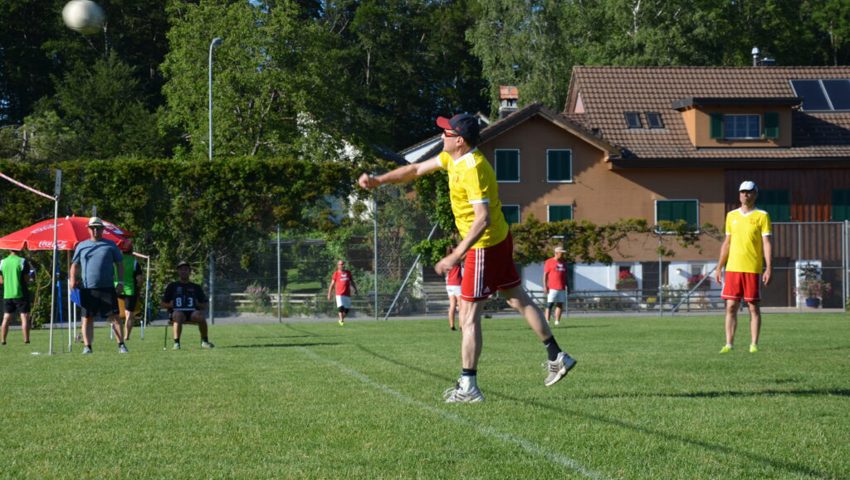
x=489, y=269
x=741, y=285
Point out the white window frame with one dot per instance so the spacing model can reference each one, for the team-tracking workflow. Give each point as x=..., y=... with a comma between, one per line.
x=726, y=122
x=518, y=211
x=655, y=208
x=518, y=164
x=548, y=180
x=549, y=211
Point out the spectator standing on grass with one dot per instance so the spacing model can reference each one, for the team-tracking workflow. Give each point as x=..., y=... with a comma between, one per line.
x=343, y=281
x=94, y=259
x=15, y=275
x=486, y=242
x=128, y=296
x=555, y=283
x=454, y=278
x=746, y=254
x=186, y=303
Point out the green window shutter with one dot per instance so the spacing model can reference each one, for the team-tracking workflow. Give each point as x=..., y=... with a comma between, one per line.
x=559, y=166
x=675, y=210
x=841, y=205
x=511, y=213
x=771, y=125
x=664, y=211
x=560, y=212
x=716, y=125
x=507, y=165
x=777, y=203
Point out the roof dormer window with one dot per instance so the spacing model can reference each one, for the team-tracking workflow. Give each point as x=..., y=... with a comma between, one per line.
x=744, y=126
x=741, y=127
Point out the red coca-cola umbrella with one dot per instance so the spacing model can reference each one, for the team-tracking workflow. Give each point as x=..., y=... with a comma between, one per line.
x=69, y=232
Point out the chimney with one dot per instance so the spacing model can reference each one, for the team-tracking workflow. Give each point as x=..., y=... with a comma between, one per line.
x=762, y=62
x=508, y=97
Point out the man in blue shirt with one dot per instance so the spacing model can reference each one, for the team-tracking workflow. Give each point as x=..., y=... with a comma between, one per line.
x=98, y=292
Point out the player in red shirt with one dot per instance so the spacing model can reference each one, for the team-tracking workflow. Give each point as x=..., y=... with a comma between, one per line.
x=344, y=282
x=555, y=283
x=454, y=279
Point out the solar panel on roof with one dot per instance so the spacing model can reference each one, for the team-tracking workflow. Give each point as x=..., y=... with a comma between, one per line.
x=838, y=91
x=812, y=94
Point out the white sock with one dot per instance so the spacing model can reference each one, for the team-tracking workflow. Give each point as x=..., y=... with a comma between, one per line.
x=467, y=383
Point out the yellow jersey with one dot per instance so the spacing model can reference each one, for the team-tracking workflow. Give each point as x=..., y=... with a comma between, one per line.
x=472, y=180
x=746, y=251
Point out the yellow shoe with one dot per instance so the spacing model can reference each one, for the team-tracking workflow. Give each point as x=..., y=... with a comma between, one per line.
x=341, y=323
x=754, y=348
x=726, y=349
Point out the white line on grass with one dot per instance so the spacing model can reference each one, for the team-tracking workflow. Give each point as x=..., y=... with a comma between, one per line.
x=526, y=445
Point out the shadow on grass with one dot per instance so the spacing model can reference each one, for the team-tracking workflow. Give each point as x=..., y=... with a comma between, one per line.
x=809, y=392
x=521, y=325
x=302, y=333
x=283, y=345
x=667, y=436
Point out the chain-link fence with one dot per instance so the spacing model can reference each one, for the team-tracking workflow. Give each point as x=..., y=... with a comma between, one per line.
x=296, y=267
x=306, y=266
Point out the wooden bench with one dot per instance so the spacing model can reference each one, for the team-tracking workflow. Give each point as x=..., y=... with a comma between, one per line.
x=244, y=300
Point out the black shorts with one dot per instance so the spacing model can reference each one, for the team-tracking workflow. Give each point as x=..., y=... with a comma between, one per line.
x=21, y=305
x=186, y=313
x=130, y=302
x=101, y=302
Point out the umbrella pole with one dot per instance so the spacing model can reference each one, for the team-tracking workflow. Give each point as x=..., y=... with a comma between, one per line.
x=53, y=271
x=147, y=292
x=70, y=310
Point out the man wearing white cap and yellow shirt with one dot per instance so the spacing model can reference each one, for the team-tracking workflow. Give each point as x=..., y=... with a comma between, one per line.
x=746, y=254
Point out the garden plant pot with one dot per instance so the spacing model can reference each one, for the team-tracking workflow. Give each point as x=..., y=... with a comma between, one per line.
x=813, y=302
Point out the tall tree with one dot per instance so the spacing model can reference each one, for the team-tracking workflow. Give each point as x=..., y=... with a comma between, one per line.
x=96, y=112
x=35, y=44
x=412, y=62
x=522, y=43
x=275, y=76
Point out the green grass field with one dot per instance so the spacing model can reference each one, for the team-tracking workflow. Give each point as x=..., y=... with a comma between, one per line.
x=650, y=398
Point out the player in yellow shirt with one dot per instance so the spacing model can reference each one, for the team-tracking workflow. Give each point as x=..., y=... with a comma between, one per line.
x=487, y=243
x=746, y=254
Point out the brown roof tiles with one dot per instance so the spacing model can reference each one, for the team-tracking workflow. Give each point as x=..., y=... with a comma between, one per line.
x=607, y=92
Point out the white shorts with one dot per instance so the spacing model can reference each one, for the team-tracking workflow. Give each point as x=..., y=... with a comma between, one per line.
x=453, y=290
x=343, y=301
x=557, y=296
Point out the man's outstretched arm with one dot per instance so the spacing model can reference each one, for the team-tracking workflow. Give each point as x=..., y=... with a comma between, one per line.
x=403, y=174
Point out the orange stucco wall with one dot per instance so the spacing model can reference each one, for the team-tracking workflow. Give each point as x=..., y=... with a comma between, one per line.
x=602, y=195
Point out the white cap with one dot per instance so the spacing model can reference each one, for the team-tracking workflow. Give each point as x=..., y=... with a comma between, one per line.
x=95, y=222
x=747, y=186
x=559, y=249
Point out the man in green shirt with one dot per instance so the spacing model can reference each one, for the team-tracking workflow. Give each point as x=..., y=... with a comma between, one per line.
x=129, y=296
x=15, y=273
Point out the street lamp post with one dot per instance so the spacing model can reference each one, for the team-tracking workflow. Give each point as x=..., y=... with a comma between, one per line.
x=215, y=42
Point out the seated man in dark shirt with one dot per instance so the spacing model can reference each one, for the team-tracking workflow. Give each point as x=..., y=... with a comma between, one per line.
x=186, y=303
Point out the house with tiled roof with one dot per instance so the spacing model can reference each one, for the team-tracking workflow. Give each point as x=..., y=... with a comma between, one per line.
x=670, y=143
